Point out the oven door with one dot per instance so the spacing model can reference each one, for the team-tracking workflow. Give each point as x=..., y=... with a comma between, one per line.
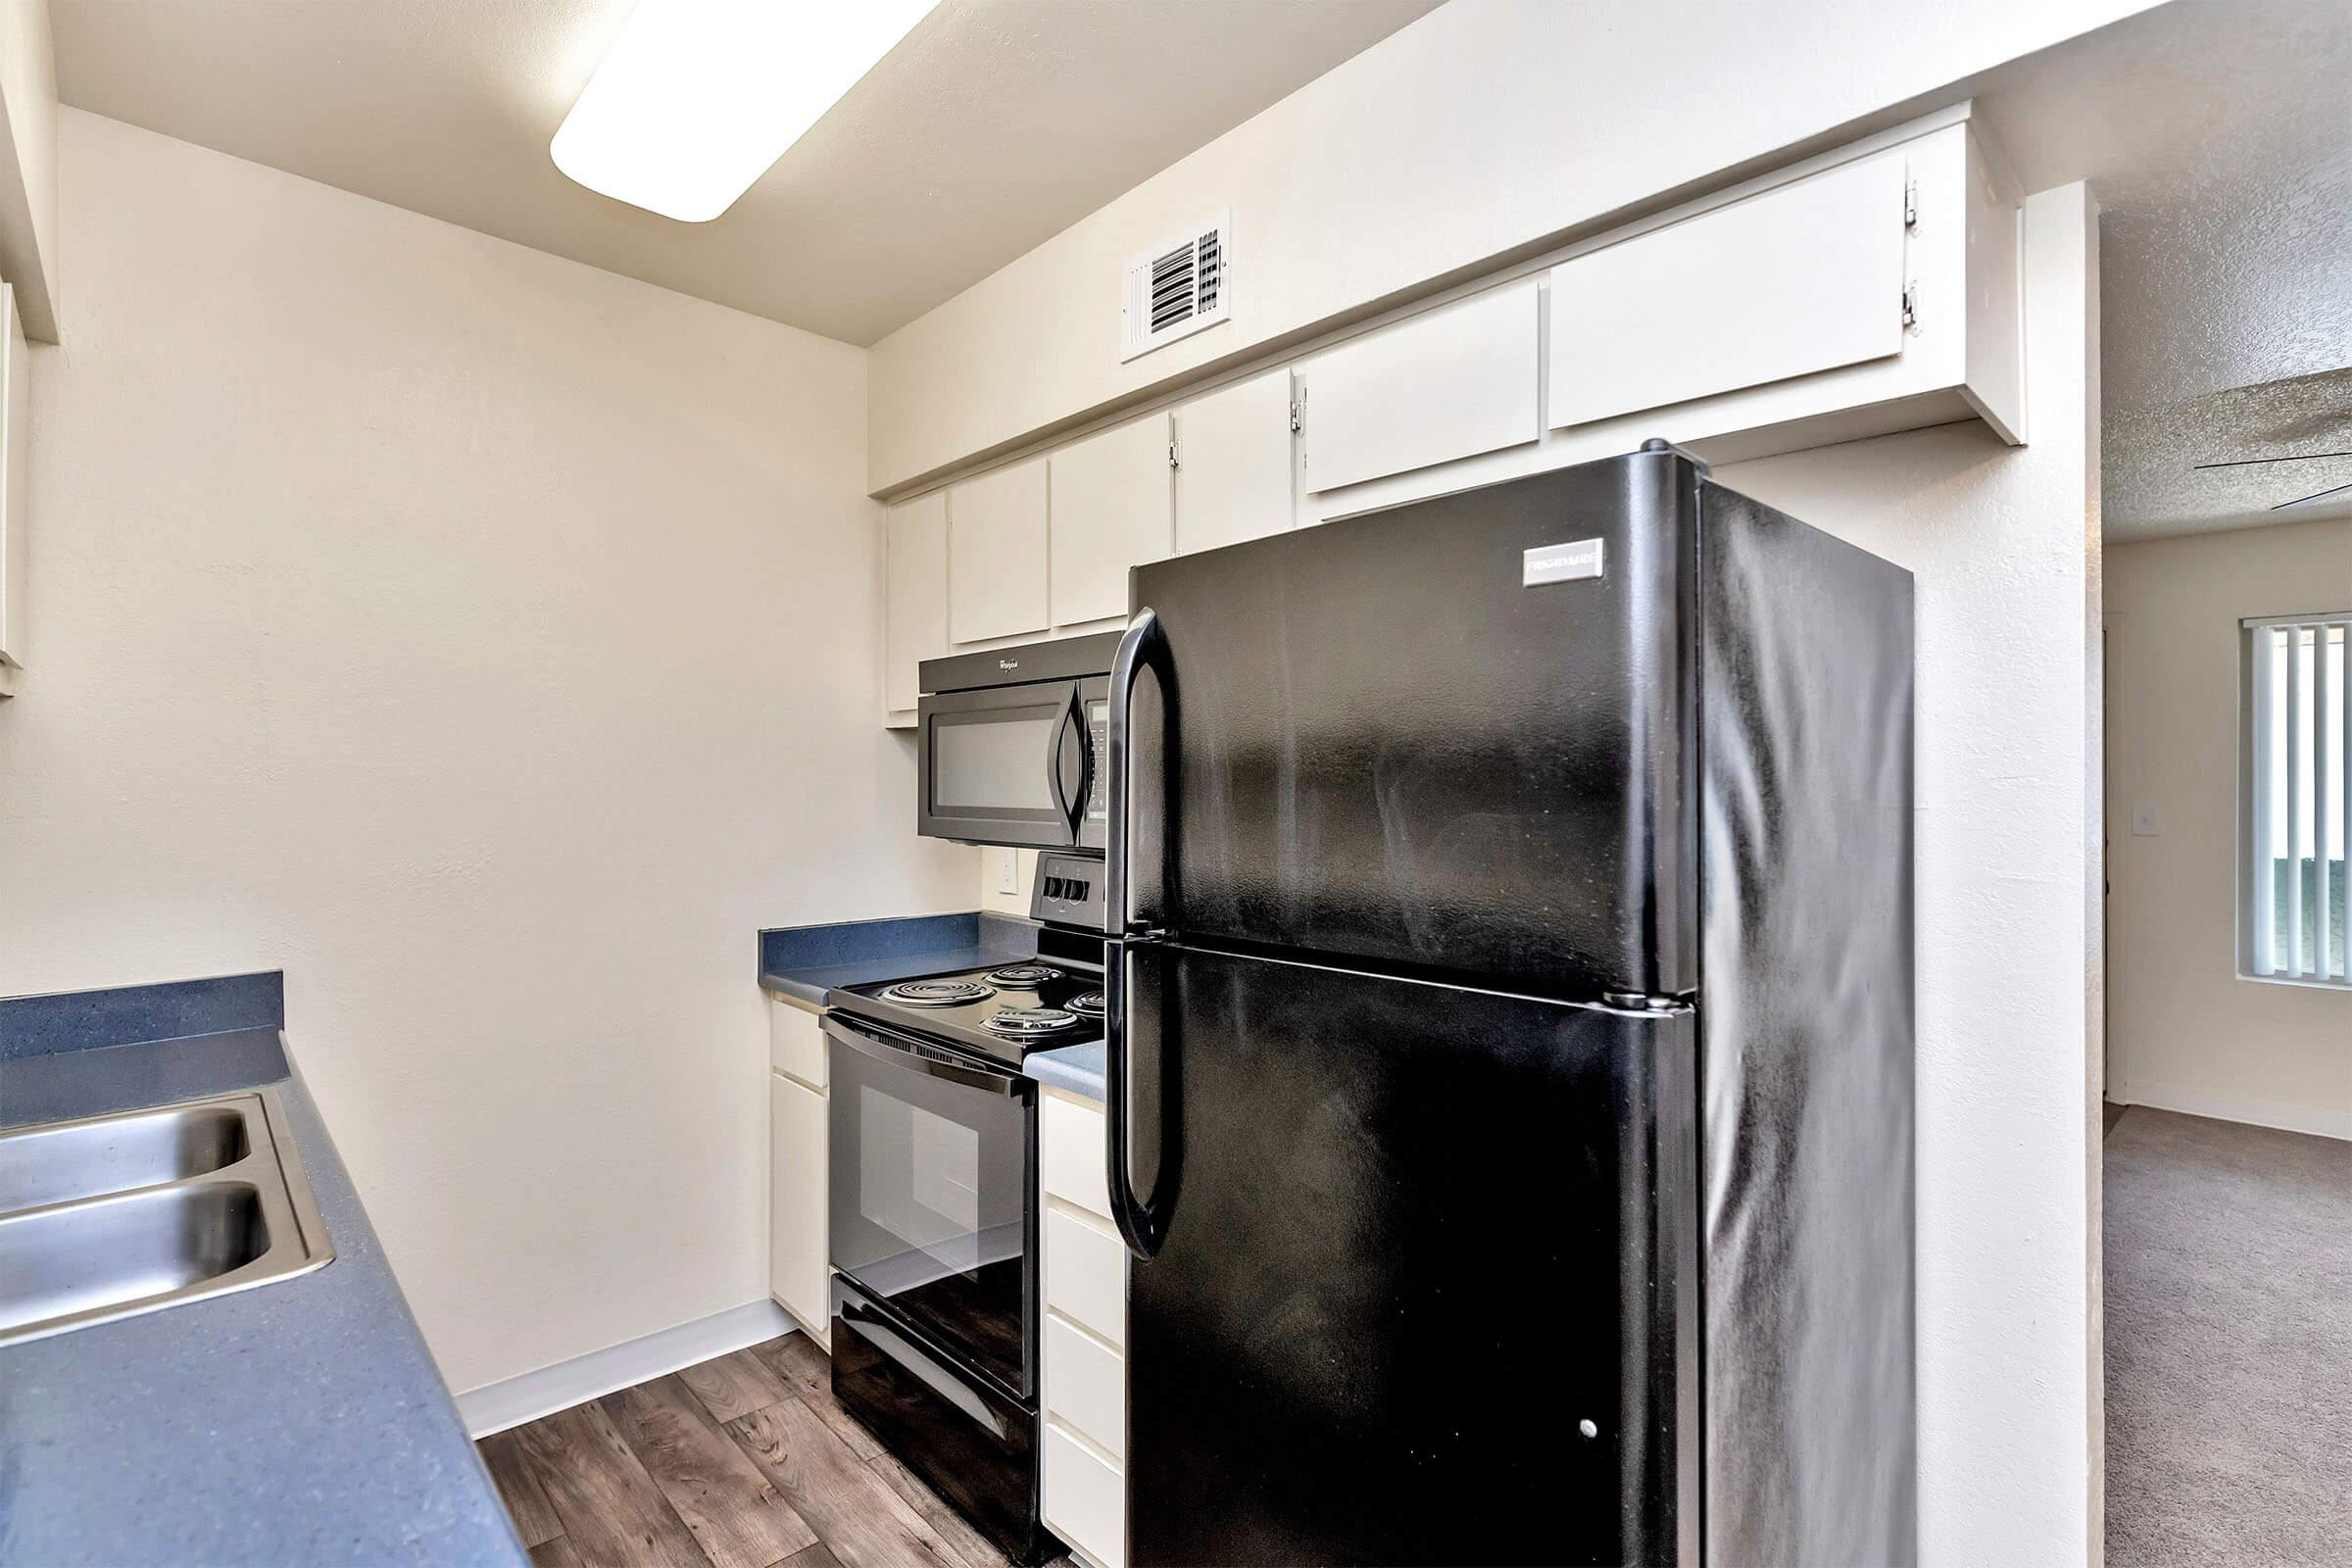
x=1012, y=764
x=931, y=1209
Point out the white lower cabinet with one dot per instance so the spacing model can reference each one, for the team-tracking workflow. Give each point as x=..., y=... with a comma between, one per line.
x=797, y=1173
x=1086, y=1499
x=1084, y=1479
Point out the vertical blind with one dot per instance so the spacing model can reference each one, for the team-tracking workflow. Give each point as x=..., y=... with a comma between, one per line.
x=2293, y=915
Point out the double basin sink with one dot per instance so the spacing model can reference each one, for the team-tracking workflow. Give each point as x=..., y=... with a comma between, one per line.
x=109, y=1216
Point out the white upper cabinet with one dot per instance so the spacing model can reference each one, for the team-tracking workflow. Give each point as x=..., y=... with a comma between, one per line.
x=1111, y=509
x=914, y=624
x=1447, y=383
x=15, y=456
x=1233, y=463
x=996, y=553
x=1877, y=294
x=1796, y=279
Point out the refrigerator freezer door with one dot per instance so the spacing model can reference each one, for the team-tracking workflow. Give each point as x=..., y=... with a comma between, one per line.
x=1452, y=739
x=1428, y=1293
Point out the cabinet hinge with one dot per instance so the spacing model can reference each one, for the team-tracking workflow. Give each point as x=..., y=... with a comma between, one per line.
x=1911, y=302
x=1910, y=204
x=1298, y=421
x=1172, y=455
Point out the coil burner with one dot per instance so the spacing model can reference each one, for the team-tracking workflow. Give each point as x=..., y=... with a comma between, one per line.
x=938, y=993
x=1029, y=1023
x=1023, y=976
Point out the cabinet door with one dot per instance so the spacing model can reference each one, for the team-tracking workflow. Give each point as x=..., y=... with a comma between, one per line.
x=1233, y=463
x=795, y=1214
x=1447, y=383
x=916, y=609
x=1801, y=278
x=1110, y=509
x=16, y=454
x=996, y=554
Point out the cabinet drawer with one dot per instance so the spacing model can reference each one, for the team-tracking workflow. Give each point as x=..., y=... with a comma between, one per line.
x=796, y=1043
x=1085, y=1499
x=1086, y=1275
x=1086, y=1386
x=1071, y=1155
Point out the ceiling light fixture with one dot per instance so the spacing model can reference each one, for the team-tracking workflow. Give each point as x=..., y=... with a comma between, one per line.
x=699, y=97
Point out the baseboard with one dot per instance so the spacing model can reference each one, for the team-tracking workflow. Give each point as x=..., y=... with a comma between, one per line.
x=510, y=1401
x=2284, y=1115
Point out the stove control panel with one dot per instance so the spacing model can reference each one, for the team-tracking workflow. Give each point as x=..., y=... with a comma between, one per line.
x=1068, y=891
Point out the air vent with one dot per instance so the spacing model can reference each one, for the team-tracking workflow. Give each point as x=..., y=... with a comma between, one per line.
x=1176, y=289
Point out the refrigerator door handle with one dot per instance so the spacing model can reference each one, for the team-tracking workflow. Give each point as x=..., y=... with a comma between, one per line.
x=1143, y=1222
x=1145, y=646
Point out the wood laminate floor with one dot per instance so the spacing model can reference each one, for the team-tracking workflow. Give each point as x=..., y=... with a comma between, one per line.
x=744, y=1461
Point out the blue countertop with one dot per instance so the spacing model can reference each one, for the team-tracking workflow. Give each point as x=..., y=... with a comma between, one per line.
x=801, y=962
x=1077, y=1068
x=299, y=1422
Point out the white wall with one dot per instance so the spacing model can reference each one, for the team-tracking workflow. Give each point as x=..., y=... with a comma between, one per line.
x=1485, y=128
x=490, y=642
x=2003, y=544
x=2186, y=1032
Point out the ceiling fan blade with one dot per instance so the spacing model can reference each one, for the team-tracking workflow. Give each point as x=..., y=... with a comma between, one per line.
x=2300, y=456
x=2316, y=495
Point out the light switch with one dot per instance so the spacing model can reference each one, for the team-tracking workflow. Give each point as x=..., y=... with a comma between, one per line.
x=2143, y=821
x=1008, y=872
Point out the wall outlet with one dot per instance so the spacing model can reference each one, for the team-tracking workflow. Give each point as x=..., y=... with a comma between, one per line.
x=2143, y=821
x=1008, y=872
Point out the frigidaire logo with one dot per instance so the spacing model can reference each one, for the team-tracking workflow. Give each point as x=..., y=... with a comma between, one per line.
x=1008, y=663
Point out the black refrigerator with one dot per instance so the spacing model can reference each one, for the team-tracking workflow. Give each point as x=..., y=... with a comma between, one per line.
x=1510, y=1063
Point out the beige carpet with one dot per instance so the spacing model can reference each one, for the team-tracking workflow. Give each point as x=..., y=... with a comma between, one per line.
x=2228, y=1345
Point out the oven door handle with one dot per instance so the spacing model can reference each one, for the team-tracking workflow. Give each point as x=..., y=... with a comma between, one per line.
x=899, y=1052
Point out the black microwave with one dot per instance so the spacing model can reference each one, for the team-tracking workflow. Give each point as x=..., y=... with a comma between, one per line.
x=1013, y=741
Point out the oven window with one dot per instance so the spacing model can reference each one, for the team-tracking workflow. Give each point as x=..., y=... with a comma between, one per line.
x=993, y=763
x=928, y=1207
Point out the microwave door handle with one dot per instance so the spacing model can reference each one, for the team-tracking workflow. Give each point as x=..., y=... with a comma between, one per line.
x=1068, y=737
x=1053, y=785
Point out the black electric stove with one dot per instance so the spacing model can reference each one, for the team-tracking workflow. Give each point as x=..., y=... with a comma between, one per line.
x=931, y=1204
x=1003, y=1012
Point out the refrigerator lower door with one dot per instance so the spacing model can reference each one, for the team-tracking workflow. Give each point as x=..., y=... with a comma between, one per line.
x=1426, y=1292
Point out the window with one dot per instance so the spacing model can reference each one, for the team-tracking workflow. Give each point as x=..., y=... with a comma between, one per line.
x=2292, y=803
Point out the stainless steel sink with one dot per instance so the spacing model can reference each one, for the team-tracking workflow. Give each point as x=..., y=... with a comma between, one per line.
x=113, y=1215
x=58, y=1164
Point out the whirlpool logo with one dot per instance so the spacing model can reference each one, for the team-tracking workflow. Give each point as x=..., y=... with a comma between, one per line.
x=1008, y=663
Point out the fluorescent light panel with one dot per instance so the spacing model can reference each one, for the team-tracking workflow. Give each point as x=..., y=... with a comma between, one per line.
x=699, y=97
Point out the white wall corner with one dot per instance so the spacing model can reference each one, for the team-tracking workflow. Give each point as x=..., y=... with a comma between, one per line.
x=510, y=1401
x=29, y=164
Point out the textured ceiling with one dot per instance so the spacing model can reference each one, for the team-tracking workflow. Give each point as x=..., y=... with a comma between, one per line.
x=993, y=125
x=2150, y=457
x=2218, y=137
